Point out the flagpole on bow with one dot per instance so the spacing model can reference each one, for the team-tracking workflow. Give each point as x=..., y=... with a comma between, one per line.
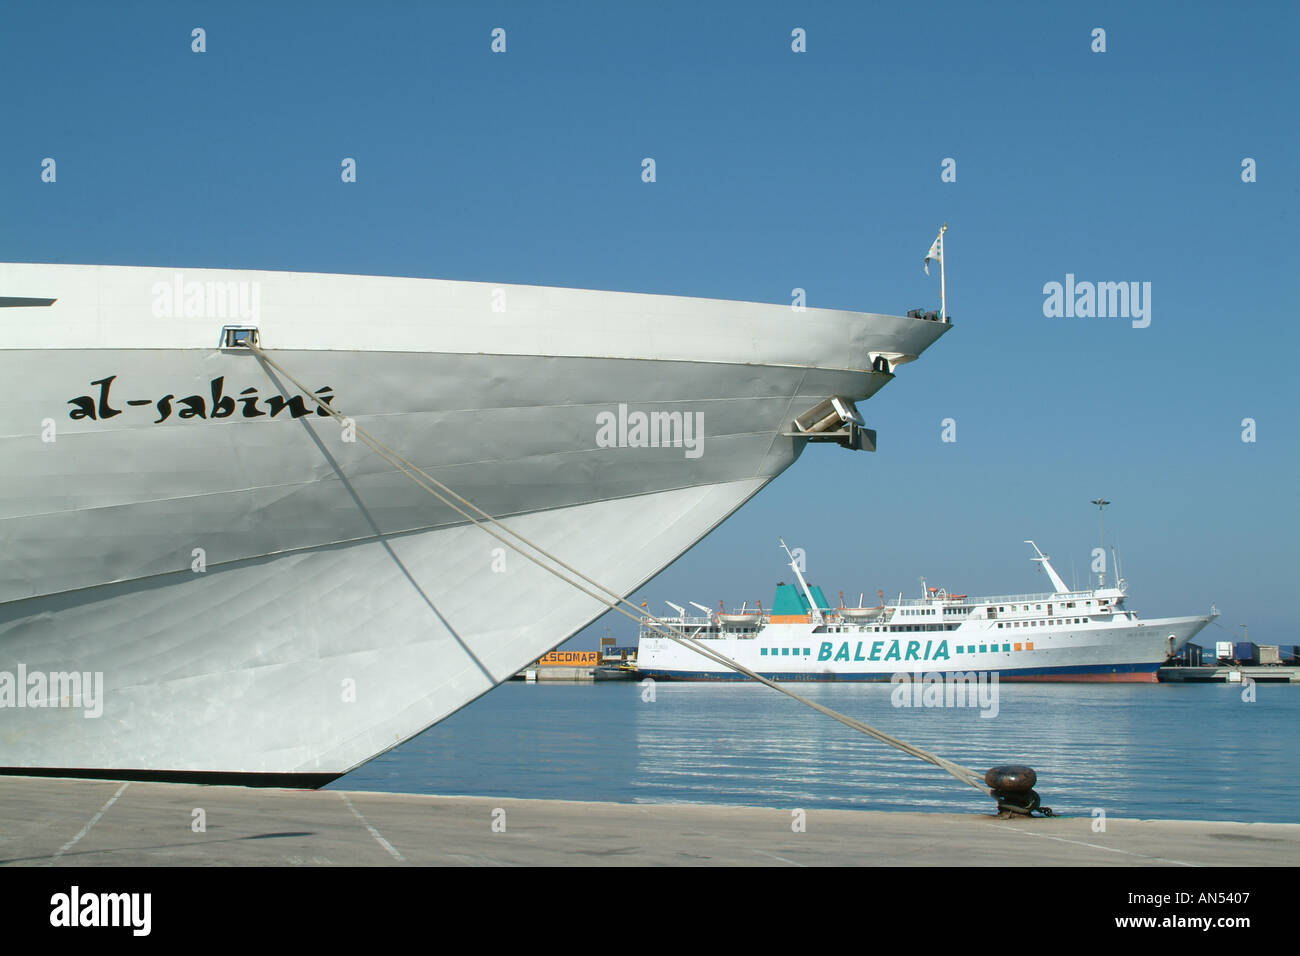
x=943, y=281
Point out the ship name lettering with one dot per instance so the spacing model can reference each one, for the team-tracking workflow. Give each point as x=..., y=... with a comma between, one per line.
x=827, y=651
x=98, y=408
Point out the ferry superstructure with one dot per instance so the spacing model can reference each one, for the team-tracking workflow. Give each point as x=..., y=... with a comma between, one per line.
x=263, y=601
x=1061, y=635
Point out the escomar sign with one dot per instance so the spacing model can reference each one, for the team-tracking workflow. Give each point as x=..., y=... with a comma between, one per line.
x=570, y=659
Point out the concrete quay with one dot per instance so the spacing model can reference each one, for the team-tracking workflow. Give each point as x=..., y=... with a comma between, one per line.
x=83, y=823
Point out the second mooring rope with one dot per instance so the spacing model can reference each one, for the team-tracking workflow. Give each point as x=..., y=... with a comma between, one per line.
x=611, y=599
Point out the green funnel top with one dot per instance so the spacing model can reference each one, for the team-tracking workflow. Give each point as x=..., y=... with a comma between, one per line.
x=789, y=601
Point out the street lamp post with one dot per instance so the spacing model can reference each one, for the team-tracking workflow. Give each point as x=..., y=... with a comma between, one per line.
x=1101, y=504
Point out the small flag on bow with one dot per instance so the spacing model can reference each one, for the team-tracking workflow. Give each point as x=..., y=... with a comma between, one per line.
x=936, y=250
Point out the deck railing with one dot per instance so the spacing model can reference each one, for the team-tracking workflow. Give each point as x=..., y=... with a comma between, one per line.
x=1000, y=599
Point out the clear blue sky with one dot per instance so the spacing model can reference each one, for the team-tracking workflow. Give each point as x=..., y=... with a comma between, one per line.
x=775, y=170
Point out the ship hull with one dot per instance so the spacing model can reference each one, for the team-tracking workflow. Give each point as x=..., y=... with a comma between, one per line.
x=247, y=595
x=291, y=670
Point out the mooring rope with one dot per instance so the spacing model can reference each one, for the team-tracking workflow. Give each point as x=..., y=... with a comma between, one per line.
x=610, y=598
x=1222, y=628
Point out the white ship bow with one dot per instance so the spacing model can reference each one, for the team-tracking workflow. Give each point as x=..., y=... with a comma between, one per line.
x=268, y=602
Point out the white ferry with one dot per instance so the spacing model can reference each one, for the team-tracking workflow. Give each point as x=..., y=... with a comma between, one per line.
x=1063, y=635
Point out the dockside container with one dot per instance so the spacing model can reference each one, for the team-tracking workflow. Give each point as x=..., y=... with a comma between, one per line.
x=1245, y=652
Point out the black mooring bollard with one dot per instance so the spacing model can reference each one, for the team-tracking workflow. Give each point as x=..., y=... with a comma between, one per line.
x=1013, y=789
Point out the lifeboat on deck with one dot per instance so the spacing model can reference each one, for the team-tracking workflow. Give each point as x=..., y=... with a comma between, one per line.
x=743, y=616
x=861, y=613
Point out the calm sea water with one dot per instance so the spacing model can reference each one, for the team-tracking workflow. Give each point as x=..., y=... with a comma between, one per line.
x=1177, y=752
